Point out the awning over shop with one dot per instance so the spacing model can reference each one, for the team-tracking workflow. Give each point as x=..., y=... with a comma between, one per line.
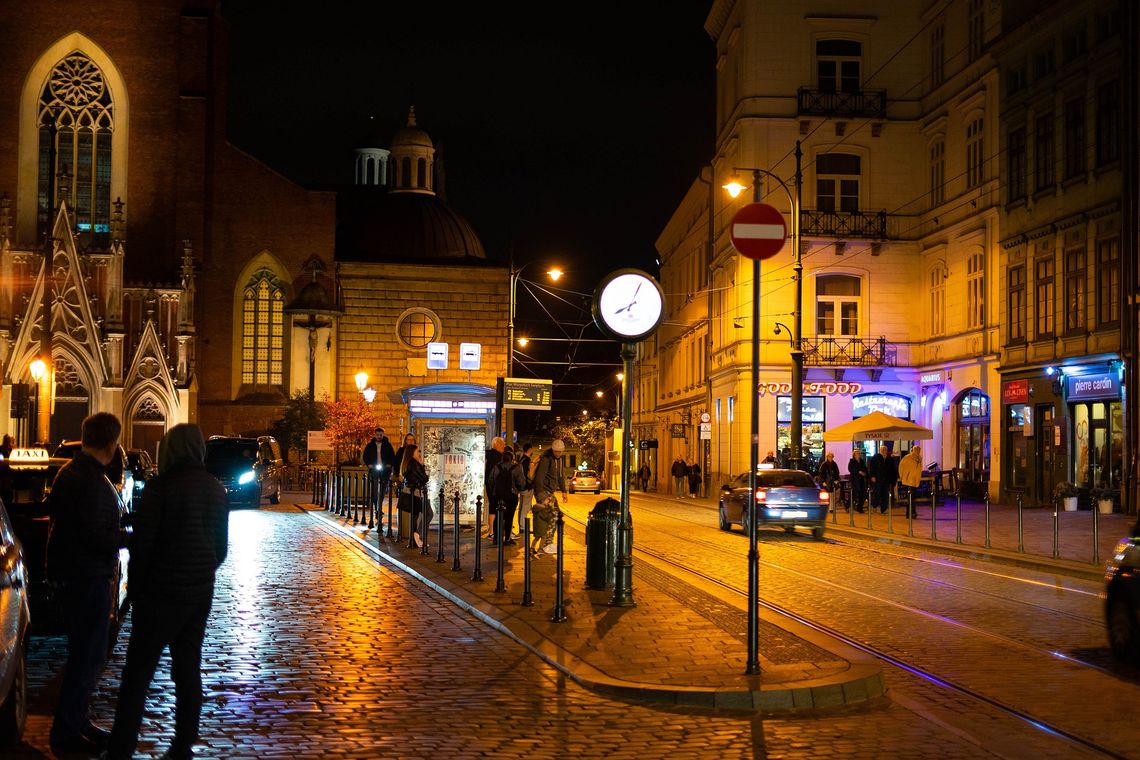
x=877, y=426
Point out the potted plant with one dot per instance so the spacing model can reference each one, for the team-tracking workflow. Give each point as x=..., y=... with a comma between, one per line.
x=1105, y=497
x=1067, y=493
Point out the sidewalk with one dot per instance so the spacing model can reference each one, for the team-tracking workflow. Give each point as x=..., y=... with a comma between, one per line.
x=661, y=650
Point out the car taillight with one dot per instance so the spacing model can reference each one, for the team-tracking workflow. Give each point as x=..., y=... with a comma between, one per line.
x=824, y=496
x=761, y=495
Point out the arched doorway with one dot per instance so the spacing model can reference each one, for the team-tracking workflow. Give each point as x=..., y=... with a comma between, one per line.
x=72, y=403
x=148, y=425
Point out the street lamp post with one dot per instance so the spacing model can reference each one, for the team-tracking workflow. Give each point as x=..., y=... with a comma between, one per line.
x=752, y=667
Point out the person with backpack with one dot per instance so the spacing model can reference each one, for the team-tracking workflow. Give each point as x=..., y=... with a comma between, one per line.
x=507, y=481
x=548, y=479
x=526, y=496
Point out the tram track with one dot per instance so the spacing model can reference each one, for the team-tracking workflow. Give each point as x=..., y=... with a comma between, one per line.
x=901, y=663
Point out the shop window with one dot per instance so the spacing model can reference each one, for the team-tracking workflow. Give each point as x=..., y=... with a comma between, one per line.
x=837, y=305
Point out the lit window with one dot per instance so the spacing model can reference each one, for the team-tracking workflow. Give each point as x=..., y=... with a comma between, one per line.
x=262, y=339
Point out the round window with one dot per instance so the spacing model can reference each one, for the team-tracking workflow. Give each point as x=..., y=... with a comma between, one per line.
x=416, y=328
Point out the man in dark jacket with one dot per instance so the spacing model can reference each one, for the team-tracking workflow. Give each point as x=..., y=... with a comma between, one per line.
x=181, y=534
x=82, y=557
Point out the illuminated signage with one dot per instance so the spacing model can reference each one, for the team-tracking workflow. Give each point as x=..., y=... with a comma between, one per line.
x=930, y=378
x=811, y=389
x=887, y=403
x=1015, y=392
x=812, y=409
x=525, y=393
x=1093, y=386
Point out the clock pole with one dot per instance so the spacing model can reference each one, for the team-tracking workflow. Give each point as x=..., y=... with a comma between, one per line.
x=623, y=566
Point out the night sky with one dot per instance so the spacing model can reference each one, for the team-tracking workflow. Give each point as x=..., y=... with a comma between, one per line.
x=570, y=132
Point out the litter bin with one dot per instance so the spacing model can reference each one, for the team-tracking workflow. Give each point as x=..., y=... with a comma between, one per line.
x=601, y=543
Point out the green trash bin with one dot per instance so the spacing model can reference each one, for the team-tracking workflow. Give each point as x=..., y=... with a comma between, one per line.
x=601, y=543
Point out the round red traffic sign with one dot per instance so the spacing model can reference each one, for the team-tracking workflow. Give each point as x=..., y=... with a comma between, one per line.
x=759, y=231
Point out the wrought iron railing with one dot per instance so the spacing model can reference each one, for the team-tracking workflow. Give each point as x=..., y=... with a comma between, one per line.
x=848, y=352
x=844, y=224
x=868, y=103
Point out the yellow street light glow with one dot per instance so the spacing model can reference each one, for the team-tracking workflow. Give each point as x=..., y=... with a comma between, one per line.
x=523, y=341
x=361, y=378
x=555, y=273
x=734, y=188
x=38, y=369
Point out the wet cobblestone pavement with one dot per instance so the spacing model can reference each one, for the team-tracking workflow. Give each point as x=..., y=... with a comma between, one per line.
x=315, y=650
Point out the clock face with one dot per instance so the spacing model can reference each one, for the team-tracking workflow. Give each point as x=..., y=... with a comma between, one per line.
x=629, y=305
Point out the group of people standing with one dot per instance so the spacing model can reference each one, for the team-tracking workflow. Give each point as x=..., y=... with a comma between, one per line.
x=686, y=478
x=524, y=487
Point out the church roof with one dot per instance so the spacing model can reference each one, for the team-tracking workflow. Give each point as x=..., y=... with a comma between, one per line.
x=375, y=225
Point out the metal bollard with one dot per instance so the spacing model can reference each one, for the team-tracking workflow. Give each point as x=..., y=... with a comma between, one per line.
x=477, y=574
x=986, y=501
x=426, y=524
x=559, y=612
x=958, y=519
x=527, y=599
x=1096, y=534
x=1020, y=526
x=455, y=537
x=442, y=512
x=1057, y=529
x=500, y=507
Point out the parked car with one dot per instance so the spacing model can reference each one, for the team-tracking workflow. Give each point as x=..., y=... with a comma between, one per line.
x=249, y=468
x=585, y=480
x=26, y=478
x=14, y=626
x=1122, y=600
x=786, y=498
x=142, y=468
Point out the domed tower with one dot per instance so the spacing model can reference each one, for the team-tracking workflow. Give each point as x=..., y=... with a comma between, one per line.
x=412, y=159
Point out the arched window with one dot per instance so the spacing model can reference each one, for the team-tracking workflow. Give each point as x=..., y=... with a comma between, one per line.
x=75, y=120
x=262, y=330
x=837, y=305
x=938, y=300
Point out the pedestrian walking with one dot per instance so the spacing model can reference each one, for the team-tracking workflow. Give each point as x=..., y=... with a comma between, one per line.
x=884, y=474
x=548, y=479
x=644, y=474
x=84, y=538
x=507, y=481
x=857, y=469
x=415, y=478
x=910, y=473
x=526, y=496
x=181, y=536
x=679, y=471
x=694, y=476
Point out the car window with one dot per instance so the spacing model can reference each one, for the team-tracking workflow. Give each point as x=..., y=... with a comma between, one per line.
x=784, y=479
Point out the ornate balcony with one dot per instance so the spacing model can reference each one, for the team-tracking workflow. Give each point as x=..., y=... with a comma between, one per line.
x=844, y=224
x=848, y=352
x=865, y=103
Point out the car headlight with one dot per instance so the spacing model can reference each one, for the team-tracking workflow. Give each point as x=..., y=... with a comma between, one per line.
x=246, y=477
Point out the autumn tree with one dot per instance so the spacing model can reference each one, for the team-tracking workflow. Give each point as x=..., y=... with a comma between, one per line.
x=350, y=423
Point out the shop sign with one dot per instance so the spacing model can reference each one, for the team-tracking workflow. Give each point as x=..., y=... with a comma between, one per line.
x=811, y=389
x=887, y=403
x=930, y=378
x=1105, y=385
x=812, y=407
x=1015, y=392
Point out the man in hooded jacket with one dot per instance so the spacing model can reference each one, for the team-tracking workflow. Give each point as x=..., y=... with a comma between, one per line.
x=181, y=534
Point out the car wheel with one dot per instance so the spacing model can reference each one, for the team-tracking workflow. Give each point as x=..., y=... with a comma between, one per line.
x=14, y=711
x=275, y=497
x=817, y=533
x=724, y=523
x=1123, y=631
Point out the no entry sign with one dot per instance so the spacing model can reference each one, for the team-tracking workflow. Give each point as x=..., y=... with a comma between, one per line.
x=759, y=231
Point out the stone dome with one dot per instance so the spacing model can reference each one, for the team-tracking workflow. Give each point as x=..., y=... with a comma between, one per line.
x=373, y=225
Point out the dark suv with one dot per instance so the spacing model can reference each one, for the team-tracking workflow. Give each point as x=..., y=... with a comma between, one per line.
x=249, y=468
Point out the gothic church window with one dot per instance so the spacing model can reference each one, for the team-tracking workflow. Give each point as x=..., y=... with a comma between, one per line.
x=262, y=331
x=75, y=120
